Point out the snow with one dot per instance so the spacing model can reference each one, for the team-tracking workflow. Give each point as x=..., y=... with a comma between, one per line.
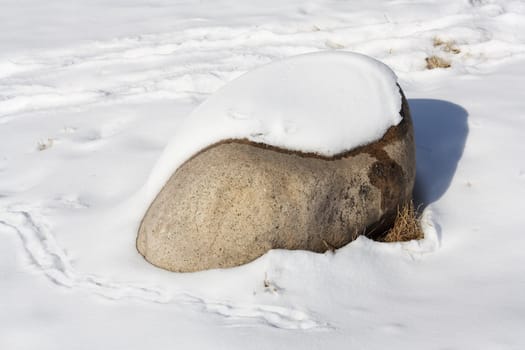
x=110, y=82
x=324, y=103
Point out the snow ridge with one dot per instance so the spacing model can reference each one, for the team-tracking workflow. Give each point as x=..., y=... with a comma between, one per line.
x=177, y=68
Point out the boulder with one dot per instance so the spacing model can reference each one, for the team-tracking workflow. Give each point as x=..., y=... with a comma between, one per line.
x=236, y=199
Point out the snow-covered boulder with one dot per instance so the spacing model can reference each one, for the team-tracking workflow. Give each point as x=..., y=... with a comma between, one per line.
x=306, y=153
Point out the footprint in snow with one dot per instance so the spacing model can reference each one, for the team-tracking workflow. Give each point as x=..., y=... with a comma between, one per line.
x=47, y=255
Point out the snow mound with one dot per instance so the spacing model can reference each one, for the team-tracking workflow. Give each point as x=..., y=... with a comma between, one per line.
x=324, y=103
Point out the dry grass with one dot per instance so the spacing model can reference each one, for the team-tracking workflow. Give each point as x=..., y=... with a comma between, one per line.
x=437, y=62
x=450, y=47
x=406, y=226
x=44, y=144
x=437, y=42
x=447, y=46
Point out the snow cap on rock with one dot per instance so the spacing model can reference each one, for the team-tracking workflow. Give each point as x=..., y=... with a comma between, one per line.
x=324, y=103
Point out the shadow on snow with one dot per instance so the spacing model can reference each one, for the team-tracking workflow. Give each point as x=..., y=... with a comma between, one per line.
x=440, y=131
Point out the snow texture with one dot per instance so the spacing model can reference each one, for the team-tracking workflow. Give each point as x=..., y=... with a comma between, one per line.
x=91, y=92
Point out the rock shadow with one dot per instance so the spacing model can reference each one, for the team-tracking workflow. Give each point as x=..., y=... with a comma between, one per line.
x=441, y=130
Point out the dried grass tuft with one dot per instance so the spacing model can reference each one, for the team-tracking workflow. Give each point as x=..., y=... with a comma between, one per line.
x=406, y=226
x=42, y=145
x=451, y=47
x=447, y=46
x=437, y=62
x=437, y=42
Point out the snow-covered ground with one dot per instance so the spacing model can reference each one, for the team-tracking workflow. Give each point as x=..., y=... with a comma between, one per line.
x=90, y=94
